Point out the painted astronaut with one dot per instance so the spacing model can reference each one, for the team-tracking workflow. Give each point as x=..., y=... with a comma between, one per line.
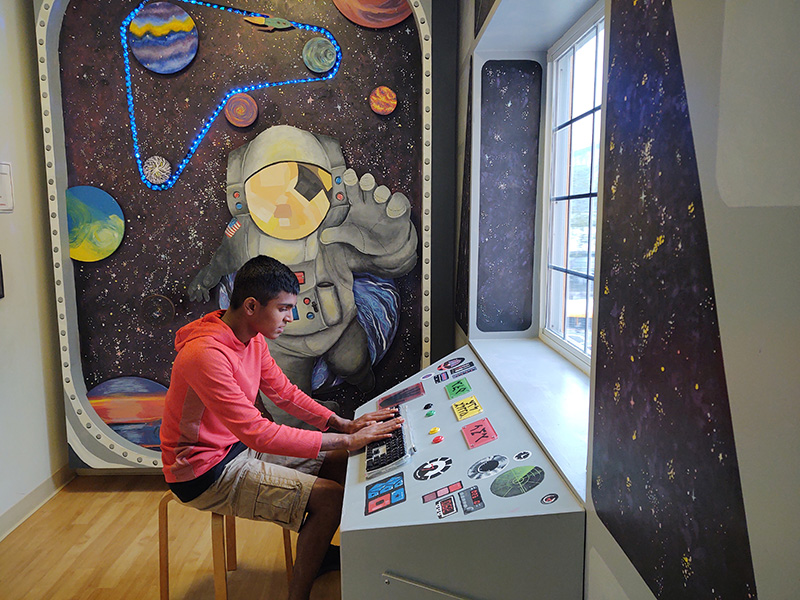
x=292, y=198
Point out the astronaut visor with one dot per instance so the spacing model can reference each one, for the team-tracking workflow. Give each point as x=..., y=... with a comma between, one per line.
x=288, y=200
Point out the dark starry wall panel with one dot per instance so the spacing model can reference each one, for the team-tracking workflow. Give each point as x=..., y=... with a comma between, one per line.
x=510, y=108
x=665, y=478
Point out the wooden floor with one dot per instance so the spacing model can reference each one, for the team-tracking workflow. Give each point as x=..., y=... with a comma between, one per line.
x=98, y=539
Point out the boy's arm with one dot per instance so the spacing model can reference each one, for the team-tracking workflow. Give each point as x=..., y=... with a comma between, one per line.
x=209, y=375
x=287, y=396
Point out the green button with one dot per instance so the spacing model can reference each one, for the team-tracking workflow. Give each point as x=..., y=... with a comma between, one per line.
x=430, y=413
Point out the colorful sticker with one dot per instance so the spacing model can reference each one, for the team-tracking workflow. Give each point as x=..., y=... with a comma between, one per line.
x=461, y=369
x=471, y=499
x=401, y=396
x=449, y=364
x=549, y=498
x=479, y=433
x=522, y=455
x=446, y=507
x=466, y=408
x=457, y=388
x=448, y=489
x=441, y=377
x=433, y=468
x=385, y=493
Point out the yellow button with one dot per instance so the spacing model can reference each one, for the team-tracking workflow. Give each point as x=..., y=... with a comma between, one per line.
x=434, y=430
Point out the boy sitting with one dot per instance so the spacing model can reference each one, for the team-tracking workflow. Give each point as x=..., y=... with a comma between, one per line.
x=220, y=454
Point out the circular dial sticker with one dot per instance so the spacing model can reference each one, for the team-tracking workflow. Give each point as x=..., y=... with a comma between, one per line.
x=433, y=468
x=517, y=481
x=486, y=467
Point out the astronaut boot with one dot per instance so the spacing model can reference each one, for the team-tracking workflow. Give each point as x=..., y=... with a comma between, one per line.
x=364, y=380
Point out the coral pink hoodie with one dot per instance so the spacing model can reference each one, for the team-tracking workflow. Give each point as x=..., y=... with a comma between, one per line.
x=211, y=396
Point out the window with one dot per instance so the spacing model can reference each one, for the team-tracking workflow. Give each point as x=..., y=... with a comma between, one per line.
x=576, y=93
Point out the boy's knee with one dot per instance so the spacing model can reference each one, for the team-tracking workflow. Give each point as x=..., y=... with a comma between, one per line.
x=326, y=495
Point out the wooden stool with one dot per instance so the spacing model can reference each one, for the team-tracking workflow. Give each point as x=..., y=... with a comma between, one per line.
x=223, y=546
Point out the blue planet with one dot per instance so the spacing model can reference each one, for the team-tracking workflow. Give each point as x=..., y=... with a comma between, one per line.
x=95, y=223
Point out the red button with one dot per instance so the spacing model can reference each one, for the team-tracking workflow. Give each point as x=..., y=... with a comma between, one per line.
x=437, y=439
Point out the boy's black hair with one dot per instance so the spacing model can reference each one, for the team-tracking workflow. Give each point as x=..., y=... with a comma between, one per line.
x=263, y=278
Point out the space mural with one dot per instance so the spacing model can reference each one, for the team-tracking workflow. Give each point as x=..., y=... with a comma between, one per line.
x=665, y=477
x=163, y=104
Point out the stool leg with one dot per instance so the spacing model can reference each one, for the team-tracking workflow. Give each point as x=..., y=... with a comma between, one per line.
x=287, y=555
x=163, y=545
x=218, y=550
x=230, y=542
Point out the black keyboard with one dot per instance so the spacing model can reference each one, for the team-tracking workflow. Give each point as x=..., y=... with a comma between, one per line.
x=386, y=455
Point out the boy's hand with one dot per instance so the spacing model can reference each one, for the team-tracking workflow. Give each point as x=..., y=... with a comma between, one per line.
x=348, y=426
x=372, y=433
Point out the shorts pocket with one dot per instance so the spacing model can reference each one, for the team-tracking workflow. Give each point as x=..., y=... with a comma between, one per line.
x=277, y=500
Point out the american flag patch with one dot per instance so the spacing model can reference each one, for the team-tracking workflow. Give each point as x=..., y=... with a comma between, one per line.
x=232, y=227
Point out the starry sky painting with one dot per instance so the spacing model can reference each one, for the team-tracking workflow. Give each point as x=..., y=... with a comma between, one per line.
x=665, y=477
x=510, y=108
x=170, y=234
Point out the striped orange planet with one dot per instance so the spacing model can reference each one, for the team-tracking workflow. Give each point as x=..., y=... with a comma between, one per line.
x=376, y=14
x=383, y=100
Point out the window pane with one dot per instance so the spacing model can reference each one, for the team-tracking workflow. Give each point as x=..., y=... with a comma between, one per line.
x=589, y=319
x=555, y=302
x=558, y=233
x=592, y=235
x=577, y=291
x=581, y=155
x=598, y=96
x=563, y=89
x=583, y=88
x=561, y=163
x=579, y=235
x=596, y=152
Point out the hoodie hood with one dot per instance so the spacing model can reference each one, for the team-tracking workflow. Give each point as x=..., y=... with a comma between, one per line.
x=210, y=325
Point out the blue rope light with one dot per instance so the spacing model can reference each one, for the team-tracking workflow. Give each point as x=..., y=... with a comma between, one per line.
x=206, y=125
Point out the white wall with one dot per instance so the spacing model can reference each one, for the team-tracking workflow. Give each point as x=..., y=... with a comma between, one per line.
x=754, y=236
x=33, y=442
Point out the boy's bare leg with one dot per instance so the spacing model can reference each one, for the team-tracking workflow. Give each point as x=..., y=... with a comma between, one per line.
x=324, y=510
x=334, y=467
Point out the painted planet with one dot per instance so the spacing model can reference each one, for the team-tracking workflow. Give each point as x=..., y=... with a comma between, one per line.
x=157, y=170
x=95, y=221
x=383, y=100
x=131, y=406
x=241, y=110
x=319, y=55
x=163, y=37
x=376, y=14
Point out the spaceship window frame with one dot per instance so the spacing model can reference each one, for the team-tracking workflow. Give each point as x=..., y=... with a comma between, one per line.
x=570, y=213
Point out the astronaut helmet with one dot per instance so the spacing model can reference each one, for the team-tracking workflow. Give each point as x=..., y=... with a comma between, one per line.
x=283, y=179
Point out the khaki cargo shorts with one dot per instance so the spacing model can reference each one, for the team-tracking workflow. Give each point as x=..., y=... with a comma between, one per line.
x=263, y=487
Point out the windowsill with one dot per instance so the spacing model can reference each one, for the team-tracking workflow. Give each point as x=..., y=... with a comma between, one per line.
x=552, y=396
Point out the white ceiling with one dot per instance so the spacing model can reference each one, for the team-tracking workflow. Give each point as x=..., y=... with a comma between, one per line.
x=531, y=25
